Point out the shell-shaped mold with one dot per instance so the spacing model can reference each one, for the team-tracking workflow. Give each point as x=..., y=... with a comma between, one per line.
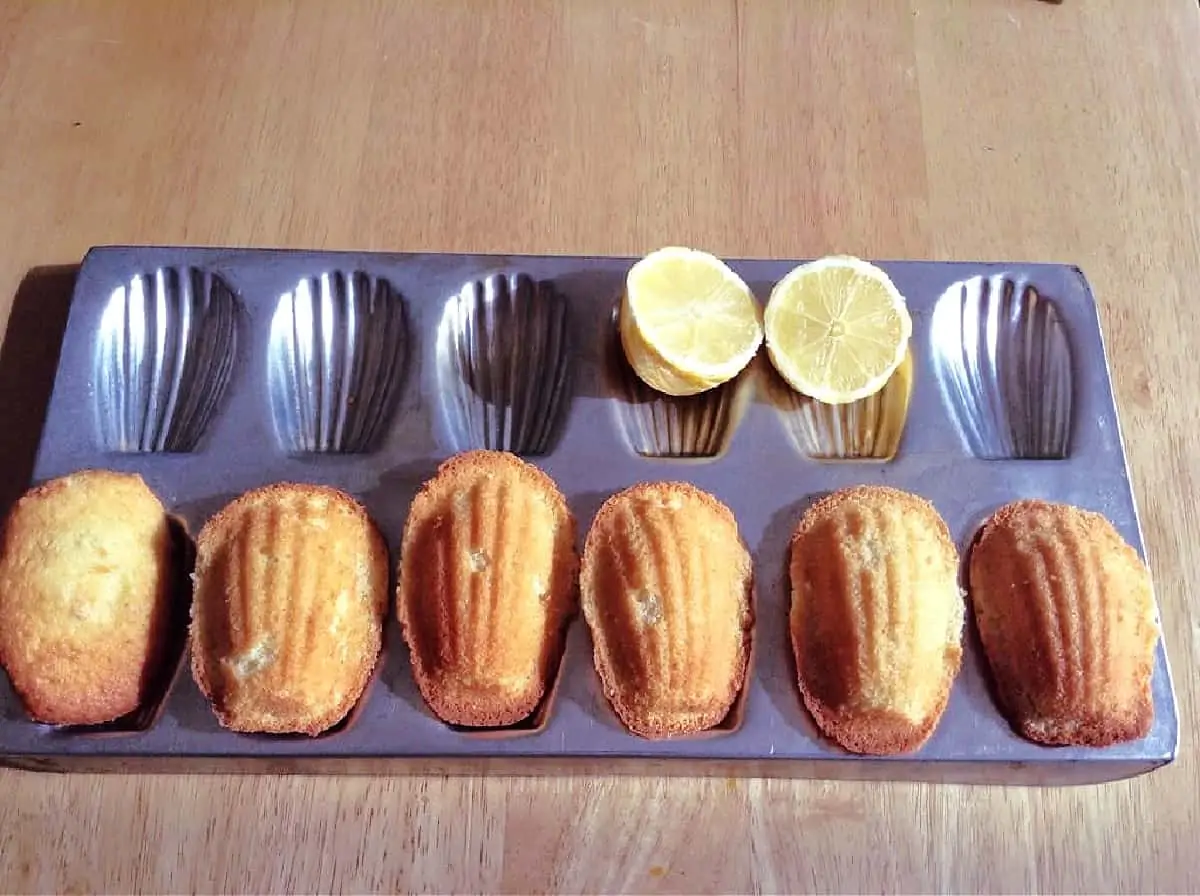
x=164, y=352
x=503, y=364
x=659, y=425
x=1001, y=353
x=867, y=429
x=336, y=356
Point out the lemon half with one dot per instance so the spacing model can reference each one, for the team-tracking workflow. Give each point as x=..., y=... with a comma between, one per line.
x=688, y=323
x=836, y=329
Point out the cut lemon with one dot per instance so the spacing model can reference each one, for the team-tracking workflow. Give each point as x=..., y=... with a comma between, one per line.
x=837, y=329
x=688, y=322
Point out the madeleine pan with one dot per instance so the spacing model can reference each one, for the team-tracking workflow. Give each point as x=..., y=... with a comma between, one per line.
x=211, y=371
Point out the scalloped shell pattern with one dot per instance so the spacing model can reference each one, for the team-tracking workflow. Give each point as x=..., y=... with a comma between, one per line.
x=290, y=597
x=876, y=617
x=867, y=429
x=1001, y=354
x=164, y=352
x=503, y=364
x=1068, y=624
x=486, y=589
x=336, y=356
x=659, y=425
x=667, y=592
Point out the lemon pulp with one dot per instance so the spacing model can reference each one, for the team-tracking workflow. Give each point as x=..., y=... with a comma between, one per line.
x=688, y=323
x=836, y=329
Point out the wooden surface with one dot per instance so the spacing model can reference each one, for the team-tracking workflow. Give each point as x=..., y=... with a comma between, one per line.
x=944, y=129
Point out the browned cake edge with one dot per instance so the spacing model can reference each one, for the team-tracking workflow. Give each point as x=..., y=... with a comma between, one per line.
x=96, y=698
x=471, y=709
x=871, y=733
x=657, y=726
x=221, y=527
x=1060, y=727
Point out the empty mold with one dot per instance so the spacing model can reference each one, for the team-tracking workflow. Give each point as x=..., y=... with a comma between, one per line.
x=164, y=351
x=1001, y=354
x=503, y=364
x=659, y=425
x=867, y=429
x=335, y=362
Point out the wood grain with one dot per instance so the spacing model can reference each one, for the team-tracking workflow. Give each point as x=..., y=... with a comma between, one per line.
x=1007, y=129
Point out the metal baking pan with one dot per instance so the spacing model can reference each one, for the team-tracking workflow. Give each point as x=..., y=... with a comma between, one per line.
x=211, y=371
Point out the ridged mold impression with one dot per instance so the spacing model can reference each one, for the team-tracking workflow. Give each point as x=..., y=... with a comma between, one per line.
x=164, y=351
x=659, y=425
x=867, y=429
x=336, y=357
x=503, y=364
x=1001, y=353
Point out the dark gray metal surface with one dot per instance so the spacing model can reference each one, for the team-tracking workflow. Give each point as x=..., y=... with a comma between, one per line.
x=1035, y=379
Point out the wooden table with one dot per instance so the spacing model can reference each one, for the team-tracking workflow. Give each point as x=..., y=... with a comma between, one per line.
x=940, y=129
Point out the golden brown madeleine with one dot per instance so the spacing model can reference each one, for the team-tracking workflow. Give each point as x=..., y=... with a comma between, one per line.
x=666, y=589
x=1066, y=614
x=486, y=586
x=876, y=617
x=85, y=590
x=287, y=617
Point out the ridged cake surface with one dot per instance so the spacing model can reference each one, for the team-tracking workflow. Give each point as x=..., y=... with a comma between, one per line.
x=1066, y=614
x=486, y=585
x=667, y=591
x=876, y=617
x=287, y=615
